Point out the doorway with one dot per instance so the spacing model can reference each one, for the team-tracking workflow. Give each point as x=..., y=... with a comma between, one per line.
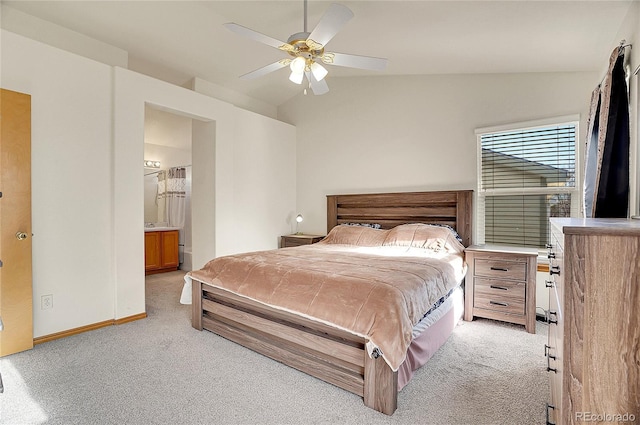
x=167, y=182
x=167, y=145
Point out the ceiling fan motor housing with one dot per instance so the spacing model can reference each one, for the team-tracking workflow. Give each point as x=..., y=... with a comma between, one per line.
x=303, y=46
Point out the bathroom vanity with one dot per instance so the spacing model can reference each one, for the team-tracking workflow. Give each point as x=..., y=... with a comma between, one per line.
x=160, y=250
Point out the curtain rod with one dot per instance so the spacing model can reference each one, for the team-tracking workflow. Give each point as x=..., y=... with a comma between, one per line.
x=623, y=44
x=156, y=172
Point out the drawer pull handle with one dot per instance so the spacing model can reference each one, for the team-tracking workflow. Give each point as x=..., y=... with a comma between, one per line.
x=547, y=353
x=549, y=321
x=502, y=288
x=499, y=269
x=549, y=368
x=499, y=303
x=549, y=406
x=549, y=283
x=554, y=270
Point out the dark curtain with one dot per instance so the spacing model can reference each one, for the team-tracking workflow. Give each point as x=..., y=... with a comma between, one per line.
x=607, y=158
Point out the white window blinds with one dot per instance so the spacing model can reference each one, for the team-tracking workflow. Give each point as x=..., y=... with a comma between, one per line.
x=526, y=176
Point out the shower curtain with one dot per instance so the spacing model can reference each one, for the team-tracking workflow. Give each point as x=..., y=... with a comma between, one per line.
x=172, y=196
x=161, y=197
x=606, y=180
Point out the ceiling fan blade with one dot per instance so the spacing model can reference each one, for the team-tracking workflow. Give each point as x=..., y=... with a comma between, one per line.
x=259, y=37
x=266, y=69
x=331, y=22
x=354, y=61
x=318, y=87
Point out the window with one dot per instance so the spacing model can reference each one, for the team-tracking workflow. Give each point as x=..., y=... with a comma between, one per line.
x=526, y=174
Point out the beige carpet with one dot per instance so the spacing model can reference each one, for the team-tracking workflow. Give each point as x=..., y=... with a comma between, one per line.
x=161, y=371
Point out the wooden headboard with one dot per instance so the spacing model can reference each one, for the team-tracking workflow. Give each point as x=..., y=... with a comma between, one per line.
x=392, y=209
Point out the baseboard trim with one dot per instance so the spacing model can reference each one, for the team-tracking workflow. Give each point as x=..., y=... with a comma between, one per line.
x=87, y=328
x=130, y=319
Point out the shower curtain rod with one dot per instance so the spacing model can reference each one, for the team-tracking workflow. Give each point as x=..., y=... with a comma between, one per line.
x=156, y=172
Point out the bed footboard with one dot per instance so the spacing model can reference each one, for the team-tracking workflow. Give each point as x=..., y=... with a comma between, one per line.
x=330, y=354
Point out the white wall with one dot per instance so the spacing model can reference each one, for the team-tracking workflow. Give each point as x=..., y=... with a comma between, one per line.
x=38, y=29
x=379, y=134
x=71, y=167
x=266, y=150
x=235, y=98
x=87, y=181
x=162, y=128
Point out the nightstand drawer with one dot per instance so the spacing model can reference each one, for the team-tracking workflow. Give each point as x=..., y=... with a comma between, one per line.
x=288, y=241
x=501, y=269
x=499, y=289
x=498, y=304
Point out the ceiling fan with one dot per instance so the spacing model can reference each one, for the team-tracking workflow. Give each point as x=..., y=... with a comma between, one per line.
x=307, y=50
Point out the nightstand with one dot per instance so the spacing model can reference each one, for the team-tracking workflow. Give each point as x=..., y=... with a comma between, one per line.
x=501, y=284
x=299, y=239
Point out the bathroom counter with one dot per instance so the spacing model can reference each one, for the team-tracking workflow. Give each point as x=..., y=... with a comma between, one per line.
x=160, y=229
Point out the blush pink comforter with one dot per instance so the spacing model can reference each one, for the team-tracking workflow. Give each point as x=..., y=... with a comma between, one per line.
x=373, y=283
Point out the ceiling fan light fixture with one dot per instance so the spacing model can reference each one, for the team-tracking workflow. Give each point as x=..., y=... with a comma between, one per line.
x=319, y=71
x=297, y=65
x=307, y=49
x=296, y=77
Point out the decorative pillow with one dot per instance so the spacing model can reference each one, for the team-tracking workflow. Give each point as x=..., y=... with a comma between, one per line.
x=457, y=236
x=435, y=238
x=372, y=225
x=355, y=235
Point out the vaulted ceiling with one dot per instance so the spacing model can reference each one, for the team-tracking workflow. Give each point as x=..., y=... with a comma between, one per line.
x=178, y=40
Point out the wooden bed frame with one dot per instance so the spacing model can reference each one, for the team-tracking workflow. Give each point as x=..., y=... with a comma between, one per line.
x=327, y=353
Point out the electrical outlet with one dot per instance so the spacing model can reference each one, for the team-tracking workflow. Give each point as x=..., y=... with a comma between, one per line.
x=46, y=302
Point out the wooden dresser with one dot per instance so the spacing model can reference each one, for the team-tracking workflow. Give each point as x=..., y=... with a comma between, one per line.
x=593, y=352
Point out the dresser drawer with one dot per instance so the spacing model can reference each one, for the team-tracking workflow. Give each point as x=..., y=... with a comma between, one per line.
x=500, y=305
x=500, y=289
x=501, y=269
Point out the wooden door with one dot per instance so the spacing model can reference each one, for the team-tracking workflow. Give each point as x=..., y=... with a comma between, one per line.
x=152, y=257
x=169, y=246
x=16, y=292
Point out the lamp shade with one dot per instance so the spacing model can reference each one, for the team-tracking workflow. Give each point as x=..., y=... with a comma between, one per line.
x=296, y=77
x=298, y=64
x=319, y=71
x=299, y=218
